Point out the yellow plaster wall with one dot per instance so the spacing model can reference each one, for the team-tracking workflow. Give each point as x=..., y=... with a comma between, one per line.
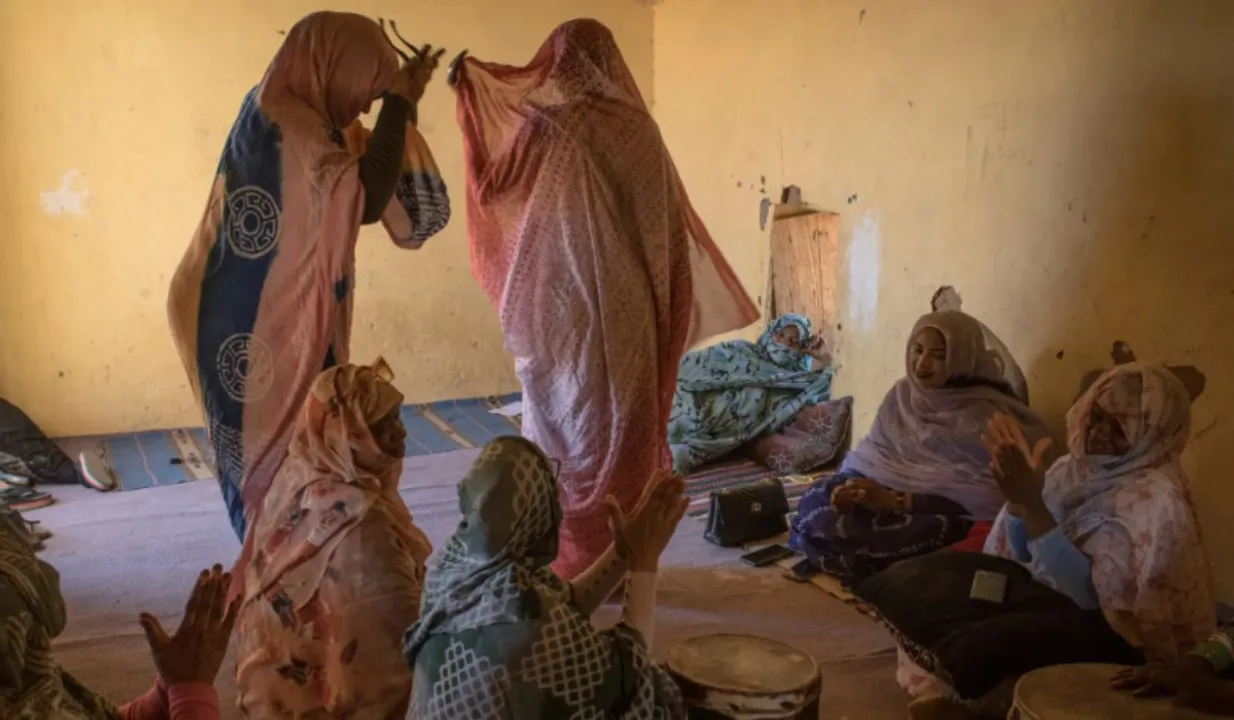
x=1067, y=165
x=136, y=98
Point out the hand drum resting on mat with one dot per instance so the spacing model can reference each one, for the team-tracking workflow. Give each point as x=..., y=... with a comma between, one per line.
x=725, y=675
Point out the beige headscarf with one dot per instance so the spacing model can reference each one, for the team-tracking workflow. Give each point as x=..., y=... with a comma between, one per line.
x=336, y=564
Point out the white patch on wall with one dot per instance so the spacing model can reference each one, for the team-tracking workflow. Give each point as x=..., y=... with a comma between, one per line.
x=864, y=251
x=66, y=199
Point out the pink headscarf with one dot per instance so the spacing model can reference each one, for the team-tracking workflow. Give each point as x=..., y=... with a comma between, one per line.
x=334, y=64
x=577, y=85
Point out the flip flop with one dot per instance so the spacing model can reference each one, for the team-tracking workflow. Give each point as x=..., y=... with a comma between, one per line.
x=96, y=469
x=23, y=499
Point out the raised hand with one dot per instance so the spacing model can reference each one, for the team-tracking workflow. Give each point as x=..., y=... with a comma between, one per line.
x=1019, y=470
x=195, y=651
x=453, y=70
x=640, y=538
x=418, y=66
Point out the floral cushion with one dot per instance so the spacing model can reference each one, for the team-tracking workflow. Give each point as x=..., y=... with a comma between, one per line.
x=814, y=438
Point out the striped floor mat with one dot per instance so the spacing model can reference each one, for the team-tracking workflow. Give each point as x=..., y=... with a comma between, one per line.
x=735, y=473
x=169, y=457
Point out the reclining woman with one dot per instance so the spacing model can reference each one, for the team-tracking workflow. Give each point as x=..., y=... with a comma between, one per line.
x=920, y=480
x=1110, y=525
x=331, y=570
x=734, y=392
x=501, y=635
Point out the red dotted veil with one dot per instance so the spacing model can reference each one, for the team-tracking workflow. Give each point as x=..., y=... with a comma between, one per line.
x=583, y=238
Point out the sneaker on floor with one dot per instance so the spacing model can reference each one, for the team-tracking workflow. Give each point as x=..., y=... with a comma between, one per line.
x=96, y=469
x=23, y=499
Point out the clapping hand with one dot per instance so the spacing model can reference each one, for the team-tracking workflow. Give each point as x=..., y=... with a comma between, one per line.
x=195, y=651
x=640, y=538
x=1018, y=470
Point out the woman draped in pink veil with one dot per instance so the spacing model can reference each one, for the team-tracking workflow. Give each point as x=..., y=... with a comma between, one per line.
x=584, y=240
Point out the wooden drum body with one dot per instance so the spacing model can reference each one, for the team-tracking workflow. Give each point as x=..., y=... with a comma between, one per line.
x=1082, y=692
x=745, y=677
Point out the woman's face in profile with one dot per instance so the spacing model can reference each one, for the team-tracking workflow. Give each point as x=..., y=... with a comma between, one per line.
x=927, y=358
x=390, y=434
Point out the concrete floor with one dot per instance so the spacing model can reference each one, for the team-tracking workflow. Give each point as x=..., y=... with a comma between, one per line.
x=123, y=553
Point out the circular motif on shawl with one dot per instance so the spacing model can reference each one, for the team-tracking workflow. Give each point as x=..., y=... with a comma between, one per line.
x=245, y=367
x=252, y=223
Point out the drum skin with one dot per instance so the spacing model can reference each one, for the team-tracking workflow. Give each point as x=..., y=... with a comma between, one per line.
x=1082, y=692
x=745, y=677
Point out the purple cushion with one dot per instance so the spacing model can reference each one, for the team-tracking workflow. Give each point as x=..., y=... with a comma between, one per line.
x=814, y=438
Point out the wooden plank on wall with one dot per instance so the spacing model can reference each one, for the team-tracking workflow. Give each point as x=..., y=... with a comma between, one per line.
x=803, y=267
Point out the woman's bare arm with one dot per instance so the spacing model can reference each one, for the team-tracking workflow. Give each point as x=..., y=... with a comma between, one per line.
x=598, y=583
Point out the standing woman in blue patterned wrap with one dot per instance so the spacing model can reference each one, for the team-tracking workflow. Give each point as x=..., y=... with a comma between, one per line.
x=261, y=303
x=731, y=393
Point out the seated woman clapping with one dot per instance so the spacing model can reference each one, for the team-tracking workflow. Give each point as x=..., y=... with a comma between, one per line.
x=33, y=686
x=919, y=481
x=1110, y=525
x=500, y=635
x=1121, y=498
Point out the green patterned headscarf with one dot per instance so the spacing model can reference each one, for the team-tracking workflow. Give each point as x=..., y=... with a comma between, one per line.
x=32, y=685
x=499, y=635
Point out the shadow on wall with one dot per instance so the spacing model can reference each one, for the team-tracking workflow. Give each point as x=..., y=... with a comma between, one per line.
x=1154, y=266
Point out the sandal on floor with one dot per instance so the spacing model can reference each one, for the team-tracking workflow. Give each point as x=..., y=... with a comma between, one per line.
x=96, y=469
x=23, y=499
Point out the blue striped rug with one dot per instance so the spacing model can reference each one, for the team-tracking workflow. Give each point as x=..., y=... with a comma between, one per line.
x=169, y=457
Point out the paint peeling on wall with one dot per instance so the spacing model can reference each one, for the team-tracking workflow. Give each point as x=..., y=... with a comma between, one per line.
x=864, y=257
x=65, y=200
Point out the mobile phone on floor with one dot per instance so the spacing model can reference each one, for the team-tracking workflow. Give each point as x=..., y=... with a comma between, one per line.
x=766, y=555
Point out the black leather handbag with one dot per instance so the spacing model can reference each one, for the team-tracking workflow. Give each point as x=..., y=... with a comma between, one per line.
x=748, y=513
